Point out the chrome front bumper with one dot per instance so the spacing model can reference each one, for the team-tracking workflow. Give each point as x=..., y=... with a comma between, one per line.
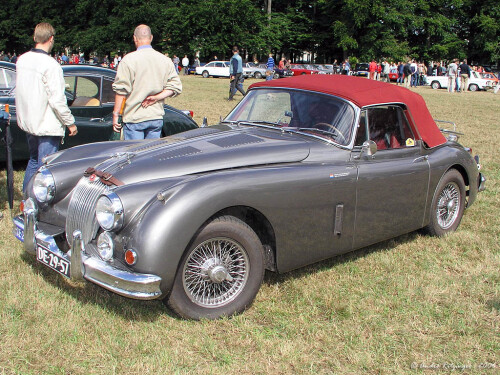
x=125, y=283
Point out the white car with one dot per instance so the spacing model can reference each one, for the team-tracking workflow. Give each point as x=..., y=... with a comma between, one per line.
x=214, y=69
x=476, y=82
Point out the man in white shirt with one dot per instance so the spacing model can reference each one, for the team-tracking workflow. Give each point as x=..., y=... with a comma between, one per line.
x=185, y=64
x=41, y=105
x=452, y=75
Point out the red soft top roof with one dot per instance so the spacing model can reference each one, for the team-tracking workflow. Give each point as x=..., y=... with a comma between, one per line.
x=364, y=92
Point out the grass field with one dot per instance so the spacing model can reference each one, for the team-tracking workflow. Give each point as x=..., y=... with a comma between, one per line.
x=414, y=304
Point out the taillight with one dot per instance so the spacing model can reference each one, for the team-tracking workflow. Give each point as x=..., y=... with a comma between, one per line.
x=191, y=113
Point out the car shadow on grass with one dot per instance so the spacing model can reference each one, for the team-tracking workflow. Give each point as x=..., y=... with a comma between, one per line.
x=150, y=311
x=273, y=278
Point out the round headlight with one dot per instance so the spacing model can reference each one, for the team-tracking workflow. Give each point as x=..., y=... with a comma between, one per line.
x=109, y=211
x=105, y=246
x=44, y=186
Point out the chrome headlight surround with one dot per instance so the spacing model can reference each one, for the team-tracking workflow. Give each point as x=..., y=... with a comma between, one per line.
x=109, y=212
x=44, y=186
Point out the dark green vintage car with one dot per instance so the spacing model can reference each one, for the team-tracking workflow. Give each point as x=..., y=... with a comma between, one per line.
x=91, y=100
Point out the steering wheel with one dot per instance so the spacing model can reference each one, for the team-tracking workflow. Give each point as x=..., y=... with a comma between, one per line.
x=329, y=127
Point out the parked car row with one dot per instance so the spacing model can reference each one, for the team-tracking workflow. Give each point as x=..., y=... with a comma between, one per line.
x=250, y=70
x=477, y=81
x=91, y=100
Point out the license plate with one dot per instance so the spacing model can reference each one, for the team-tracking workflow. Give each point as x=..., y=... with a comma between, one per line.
x=52, y=260
x=19, y=233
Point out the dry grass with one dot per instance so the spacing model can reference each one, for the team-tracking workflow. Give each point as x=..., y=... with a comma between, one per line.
x=412, y=300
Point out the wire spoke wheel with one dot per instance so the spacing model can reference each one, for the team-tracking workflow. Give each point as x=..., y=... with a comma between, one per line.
x=215, y=272
x=448, y=205
x=220, y=273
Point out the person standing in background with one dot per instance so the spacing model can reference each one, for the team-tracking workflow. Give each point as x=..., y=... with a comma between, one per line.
x=41, y=106
x=452, y=75
x=144, y=79
x=185, y=64
x=236, y=74
x=270, y=67
x=464, y=76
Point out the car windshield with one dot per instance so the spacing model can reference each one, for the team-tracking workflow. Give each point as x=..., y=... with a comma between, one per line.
x=311, y=113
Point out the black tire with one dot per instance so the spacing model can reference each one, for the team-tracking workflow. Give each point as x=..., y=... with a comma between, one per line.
x=205, y=74
x=210, y=285
x=448, y=204
x=473, y=87
x=258, y=75
x=276, y=76
x=435, y=85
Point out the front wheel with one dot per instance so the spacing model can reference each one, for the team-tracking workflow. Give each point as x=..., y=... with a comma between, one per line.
x=448, y=204
x=221, y=272
x=276, y=76
x=205, y=74
x=258, y=75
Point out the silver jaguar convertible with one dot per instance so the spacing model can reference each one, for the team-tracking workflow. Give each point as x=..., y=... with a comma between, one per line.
x=301, y=170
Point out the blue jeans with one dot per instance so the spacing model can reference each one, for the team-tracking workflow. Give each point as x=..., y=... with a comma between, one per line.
x=143, y=130
x=39, y=147
x=414, y=80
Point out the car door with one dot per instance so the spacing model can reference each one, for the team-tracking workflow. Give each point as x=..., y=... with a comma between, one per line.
x=392, y=184
x=221, y=70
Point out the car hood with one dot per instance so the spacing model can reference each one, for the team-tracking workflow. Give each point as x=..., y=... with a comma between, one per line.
x=203, y=150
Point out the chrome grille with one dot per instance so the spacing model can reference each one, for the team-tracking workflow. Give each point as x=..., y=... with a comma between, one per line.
x=81, y=209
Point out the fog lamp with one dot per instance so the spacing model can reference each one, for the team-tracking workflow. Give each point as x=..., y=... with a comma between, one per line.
x=105, y=246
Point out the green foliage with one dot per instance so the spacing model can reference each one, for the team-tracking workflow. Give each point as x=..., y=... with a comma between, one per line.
x=393, y=29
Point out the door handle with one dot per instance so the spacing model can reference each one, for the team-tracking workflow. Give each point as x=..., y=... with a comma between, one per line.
x=421, y=158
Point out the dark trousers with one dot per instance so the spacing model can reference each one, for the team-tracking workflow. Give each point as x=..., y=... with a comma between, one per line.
x=236, y=84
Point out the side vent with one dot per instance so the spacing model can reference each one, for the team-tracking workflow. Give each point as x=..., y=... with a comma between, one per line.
x=339, y=217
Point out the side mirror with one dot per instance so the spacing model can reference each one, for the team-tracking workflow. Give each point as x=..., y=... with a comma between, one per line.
x=368, y=148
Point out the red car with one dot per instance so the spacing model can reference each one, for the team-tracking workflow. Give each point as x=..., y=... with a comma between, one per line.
x=300, y=69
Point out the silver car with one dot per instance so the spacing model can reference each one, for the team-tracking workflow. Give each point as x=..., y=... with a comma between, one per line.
x=301, y=170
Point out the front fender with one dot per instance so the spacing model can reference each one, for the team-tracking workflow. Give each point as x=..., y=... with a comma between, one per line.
x=163, y=231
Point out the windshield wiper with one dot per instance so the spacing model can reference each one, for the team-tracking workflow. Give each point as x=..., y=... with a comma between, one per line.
x=265, y=123
x=316, y=130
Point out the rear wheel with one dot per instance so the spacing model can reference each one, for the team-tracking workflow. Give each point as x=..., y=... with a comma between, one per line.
x=258, y=75
x=276, y=76
x=448, y=204
x=435, y=85
x=473, y=87
x=221, y=272
x=205, y=74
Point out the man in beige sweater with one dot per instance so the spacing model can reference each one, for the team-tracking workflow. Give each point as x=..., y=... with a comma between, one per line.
x=144, y=79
